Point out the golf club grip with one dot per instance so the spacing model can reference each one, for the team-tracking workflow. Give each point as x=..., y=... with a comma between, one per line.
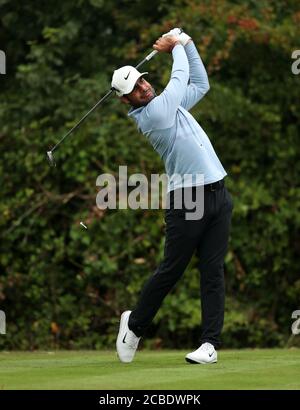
x=152, y=54
x=147, y=58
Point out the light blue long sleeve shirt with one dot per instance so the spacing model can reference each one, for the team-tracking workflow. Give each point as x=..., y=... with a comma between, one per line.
x=172, y=130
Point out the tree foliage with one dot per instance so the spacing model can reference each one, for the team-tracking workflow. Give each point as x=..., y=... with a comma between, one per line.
x=63, y=286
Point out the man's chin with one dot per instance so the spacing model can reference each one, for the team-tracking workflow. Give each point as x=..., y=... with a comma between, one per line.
x=151, y=96
x=145, y=100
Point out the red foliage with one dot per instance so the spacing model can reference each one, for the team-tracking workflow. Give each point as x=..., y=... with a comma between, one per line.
x=296, y=17
x=232, y=19
x=248, y=24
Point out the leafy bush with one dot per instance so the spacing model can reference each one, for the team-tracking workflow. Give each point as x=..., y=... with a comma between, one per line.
x=64, y=287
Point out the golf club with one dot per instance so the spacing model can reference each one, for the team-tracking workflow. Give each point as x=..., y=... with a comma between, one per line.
x=50, y=156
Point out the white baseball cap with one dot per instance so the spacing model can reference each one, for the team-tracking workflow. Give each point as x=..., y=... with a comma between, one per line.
x=124, y=79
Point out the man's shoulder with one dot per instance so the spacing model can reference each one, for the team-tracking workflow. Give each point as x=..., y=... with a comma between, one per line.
x=142, y=113
x=151, y=116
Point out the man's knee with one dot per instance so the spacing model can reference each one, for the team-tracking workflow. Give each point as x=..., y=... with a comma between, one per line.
x=212, y=270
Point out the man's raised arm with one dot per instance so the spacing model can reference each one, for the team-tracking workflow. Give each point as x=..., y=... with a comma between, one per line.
x=162, y=110
x=198, y=85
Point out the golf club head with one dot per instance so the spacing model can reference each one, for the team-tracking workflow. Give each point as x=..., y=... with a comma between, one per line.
x=51, y=159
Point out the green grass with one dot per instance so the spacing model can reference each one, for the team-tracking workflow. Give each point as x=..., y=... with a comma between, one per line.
x=236, y=369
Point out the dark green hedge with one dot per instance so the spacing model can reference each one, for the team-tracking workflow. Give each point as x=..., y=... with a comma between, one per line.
x=62, y=286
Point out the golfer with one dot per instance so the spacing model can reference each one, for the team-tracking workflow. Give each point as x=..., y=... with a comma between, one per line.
x=185, y=149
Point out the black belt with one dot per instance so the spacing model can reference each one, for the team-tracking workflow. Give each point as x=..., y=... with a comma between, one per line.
x=209, y=187
x=214, y=186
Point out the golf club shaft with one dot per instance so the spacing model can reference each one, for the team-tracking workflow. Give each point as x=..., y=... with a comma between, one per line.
x=147, y=58
x=83, y=118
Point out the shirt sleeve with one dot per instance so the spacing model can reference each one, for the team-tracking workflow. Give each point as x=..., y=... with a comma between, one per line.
x=161, y=111
x=198, y=85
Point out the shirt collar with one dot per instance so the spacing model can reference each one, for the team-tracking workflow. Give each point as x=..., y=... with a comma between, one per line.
x=134, y=112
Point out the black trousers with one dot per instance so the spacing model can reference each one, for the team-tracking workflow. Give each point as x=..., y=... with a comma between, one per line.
x=208, y=237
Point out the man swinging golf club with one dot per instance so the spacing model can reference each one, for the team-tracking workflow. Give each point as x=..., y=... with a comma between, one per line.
x=185, y=149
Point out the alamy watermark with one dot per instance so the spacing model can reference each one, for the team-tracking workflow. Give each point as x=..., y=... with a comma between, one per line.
x=296, y=64
x=2, y=323
x=2, y=62
x=296, y=325
x=116, y=190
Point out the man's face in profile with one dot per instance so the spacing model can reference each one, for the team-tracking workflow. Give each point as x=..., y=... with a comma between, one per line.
x=141, y=95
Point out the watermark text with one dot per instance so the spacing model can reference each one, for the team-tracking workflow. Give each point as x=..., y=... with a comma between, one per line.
x=2, y=323
x=164, y=192
x=296, y=64
x=296, y=325
x=2, y=62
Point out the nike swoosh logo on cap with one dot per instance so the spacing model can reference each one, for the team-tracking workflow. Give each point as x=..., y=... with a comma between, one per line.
x=125, y=78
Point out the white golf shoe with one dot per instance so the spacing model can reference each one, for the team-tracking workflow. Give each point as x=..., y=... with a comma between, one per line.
x=127, y=341
x=204, y=355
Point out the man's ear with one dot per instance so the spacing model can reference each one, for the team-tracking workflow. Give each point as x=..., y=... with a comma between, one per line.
x=124, y=100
